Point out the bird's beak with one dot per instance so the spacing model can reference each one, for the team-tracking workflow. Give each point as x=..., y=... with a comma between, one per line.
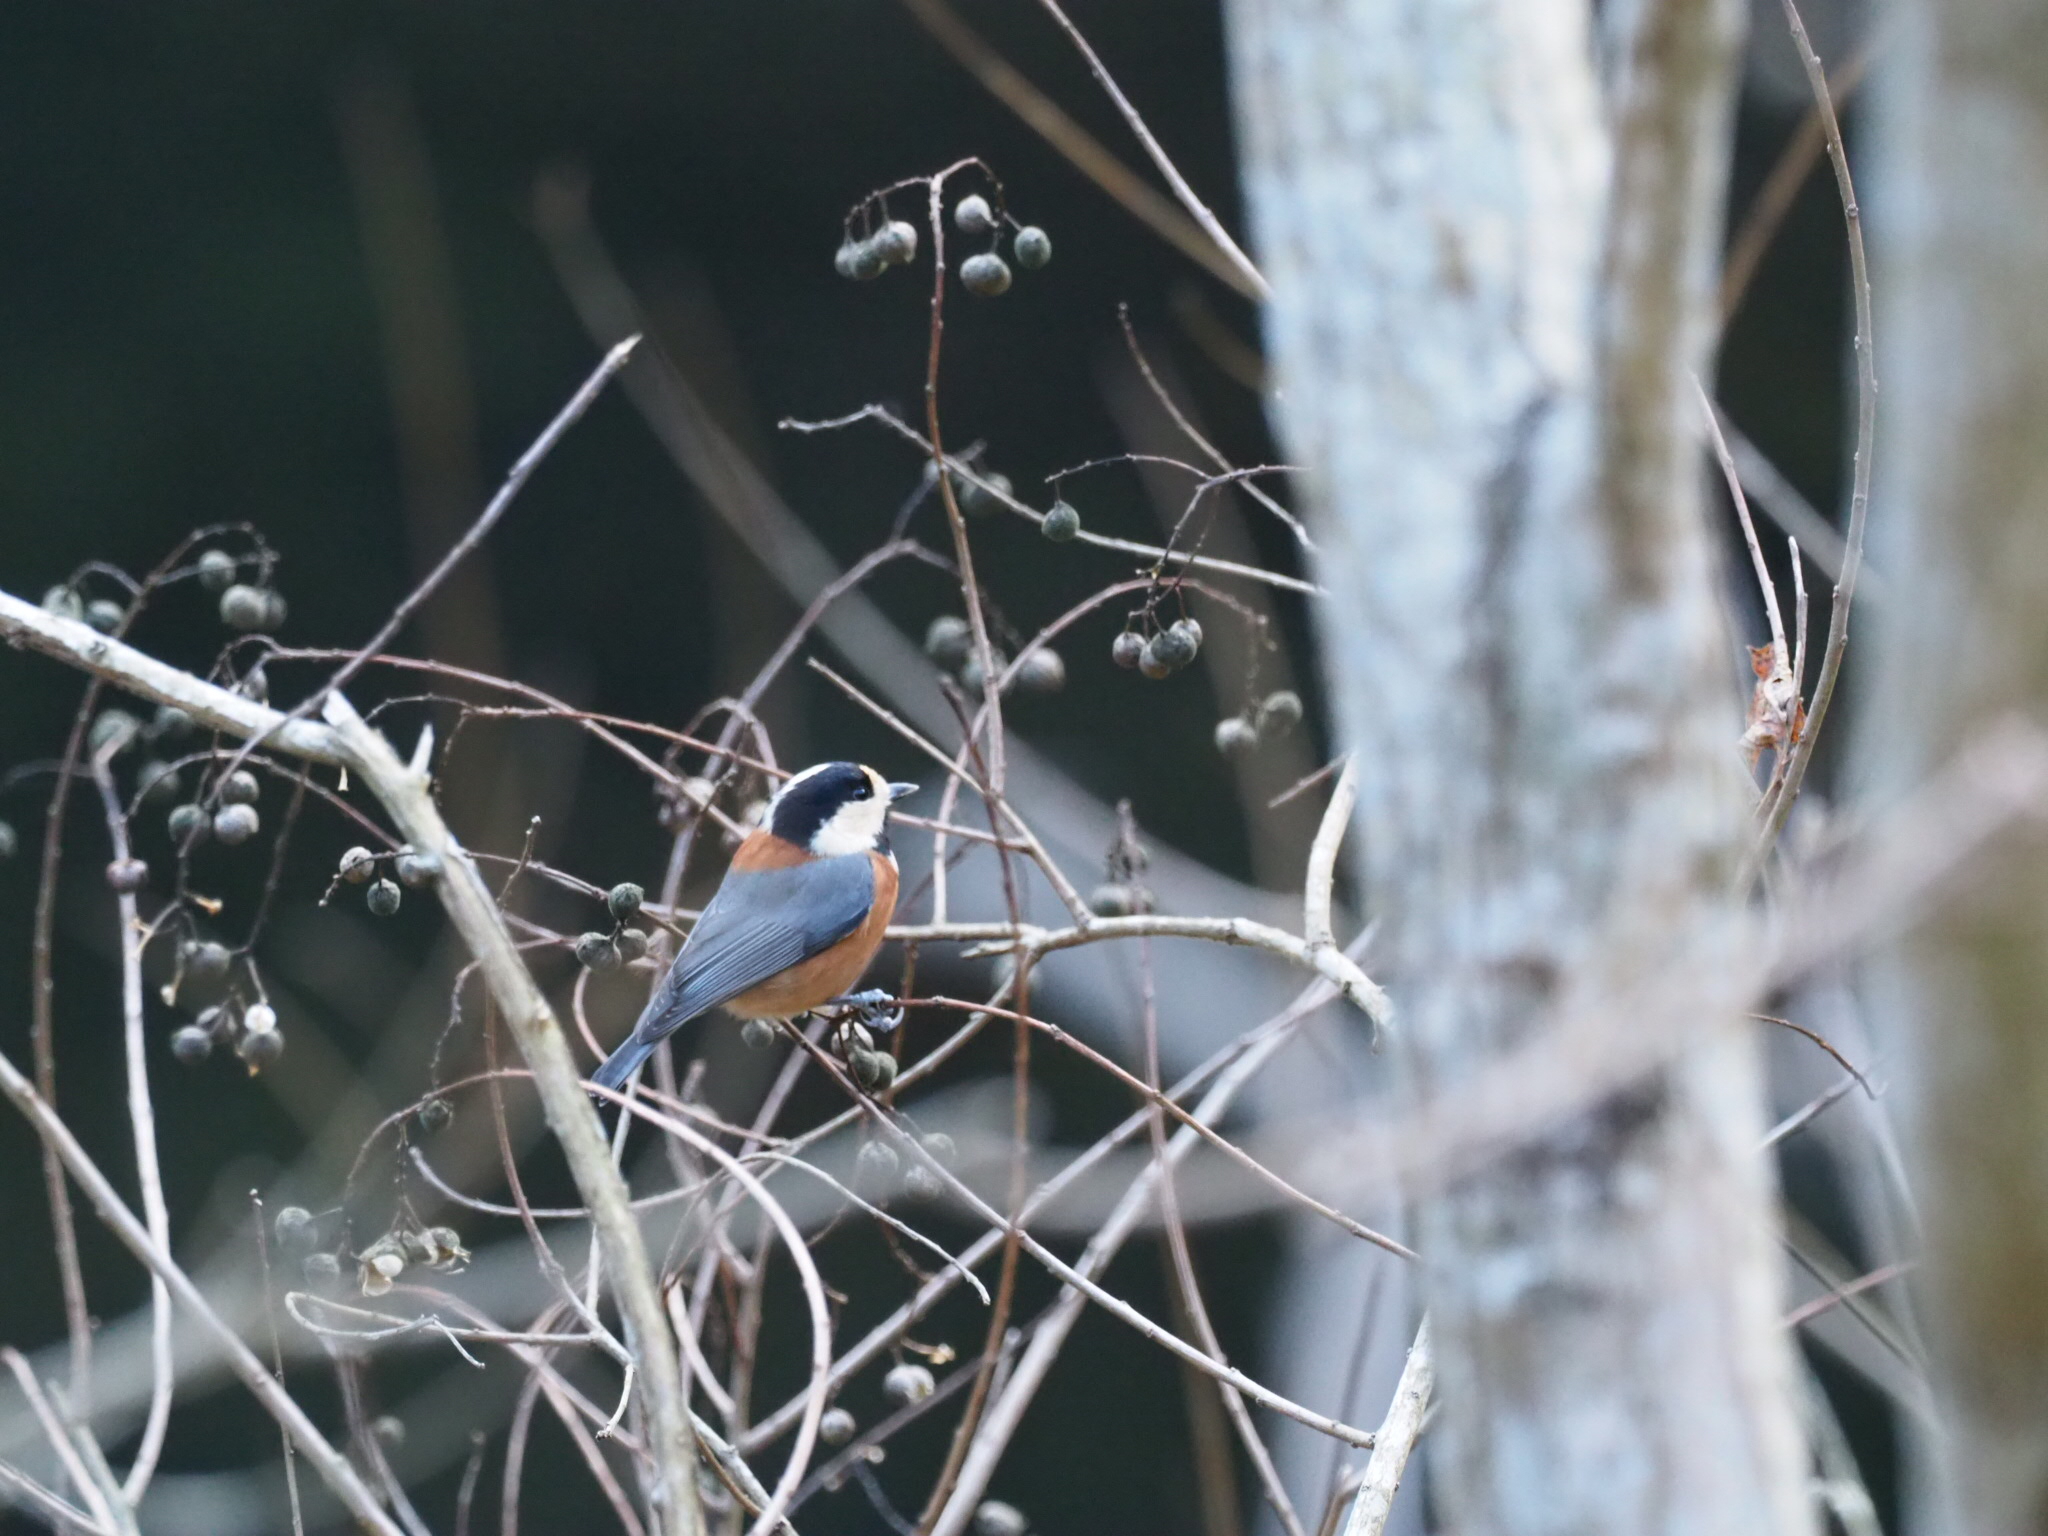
x=898, y=791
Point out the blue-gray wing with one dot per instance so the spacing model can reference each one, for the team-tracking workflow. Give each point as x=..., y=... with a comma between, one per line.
x=759, y=924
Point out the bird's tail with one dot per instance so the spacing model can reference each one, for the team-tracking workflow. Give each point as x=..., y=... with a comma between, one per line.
x=618, y=1067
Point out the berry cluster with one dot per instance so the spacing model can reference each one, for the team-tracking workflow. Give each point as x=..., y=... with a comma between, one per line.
x=888, y=242
x=1273, y=716
x=949, y=641
x=1166, y=652
x=602, y=950
x=250, y=1030
x=413, y=867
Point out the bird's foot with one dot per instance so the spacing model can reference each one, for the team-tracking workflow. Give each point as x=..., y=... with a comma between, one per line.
x=873, y=1009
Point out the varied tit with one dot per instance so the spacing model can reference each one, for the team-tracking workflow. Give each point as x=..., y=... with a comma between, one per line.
x=797, y=918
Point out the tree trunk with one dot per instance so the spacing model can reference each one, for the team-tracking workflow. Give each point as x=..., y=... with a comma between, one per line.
x=1491, y=273
x=1962, y=207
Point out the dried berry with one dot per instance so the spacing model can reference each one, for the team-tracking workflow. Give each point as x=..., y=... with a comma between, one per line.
x=972, y=215
x=1111, y=899
x=920, y=1183
x=388, y=1428
x=382, y=898
x=1041, y=671
x=416, y=869
x=1177, y=644
x=64, y=603
x=983, y=494
x=897, y=243
x=191, y=1045
x=597, y=951
x=908, y=1384
x=205, y=960
x=873, y=1070
x=1152, y=664
x=971, y=677
x=274, y=610
x=104, y=614
x=623, y=900
x=632, y=944
x=357, y=865
x=992, y=1517
x=240, y=788
x=245, y=608
x=986, y=274
x=435, y=1115
x=111, y=728
x=1235, y=736
x=940, y=1146
x=874, y=1166
x=260, y=1050
x=156, y=779
x=1033, y=247
x=254, y=684
x=236, y=823
x=948, y=639
x=169, y=723
x=190, y=826
x=836, y=1426
x=216, y=570
x=1061, y=524
x=323, y=1271
x=127, y=875
x=757, y=1034
x=1127, y=649
x=859, y=260
x=259, y=1018
x=293, y=1229
x=1280, y=712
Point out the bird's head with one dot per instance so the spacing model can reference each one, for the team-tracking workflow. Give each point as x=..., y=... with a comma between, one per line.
x=834, y=809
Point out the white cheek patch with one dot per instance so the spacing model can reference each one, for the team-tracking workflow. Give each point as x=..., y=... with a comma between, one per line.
x=854, y=828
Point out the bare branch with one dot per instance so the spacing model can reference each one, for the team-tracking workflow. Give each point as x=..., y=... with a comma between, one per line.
x=330, y=1463
x=1396, y=1438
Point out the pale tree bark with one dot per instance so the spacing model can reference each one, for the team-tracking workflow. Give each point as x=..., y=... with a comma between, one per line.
x=1490, y=237
x=1962, y=216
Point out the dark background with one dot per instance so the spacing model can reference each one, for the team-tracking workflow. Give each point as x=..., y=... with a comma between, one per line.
x=278, y=264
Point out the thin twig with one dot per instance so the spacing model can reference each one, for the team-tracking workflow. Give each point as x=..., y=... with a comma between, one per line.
x=1197, y=209
x=1239, y=1064
x=507, y=492
x=291, y=1460
x=1840, y=1294
x=331, y=1464
x=475, y=916
x=60, y=1511
x=1795, y=162
x=142, y=1126
x=1319, y=885
x=1779, y=807
x=43, y=1053
x=1082, y=150
x=1190, y=1119
x=1008, y=499
x=1230, y=1067
x=59, y=1438
x=1183, y=1267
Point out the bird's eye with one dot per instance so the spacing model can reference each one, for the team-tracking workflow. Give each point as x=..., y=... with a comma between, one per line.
x=863, y=790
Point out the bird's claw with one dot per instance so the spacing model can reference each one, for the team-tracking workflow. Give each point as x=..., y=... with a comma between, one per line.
x=873, y=1009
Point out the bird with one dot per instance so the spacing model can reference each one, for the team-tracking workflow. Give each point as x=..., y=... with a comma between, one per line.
x=796, y=920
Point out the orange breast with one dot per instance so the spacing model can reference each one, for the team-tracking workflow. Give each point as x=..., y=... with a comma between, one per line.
x=830, y=973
